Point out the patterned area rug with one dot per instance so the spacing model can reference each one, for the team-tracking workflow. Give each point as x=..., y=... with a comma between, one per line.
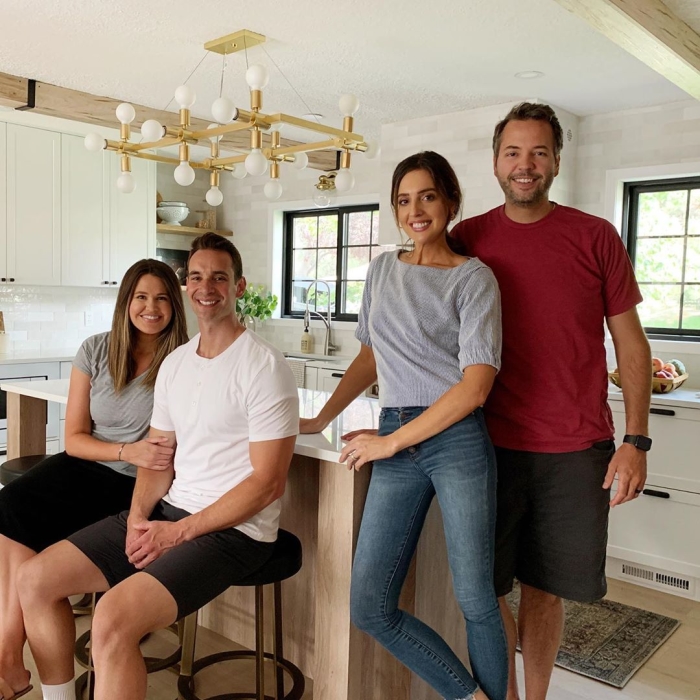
x=608, y=641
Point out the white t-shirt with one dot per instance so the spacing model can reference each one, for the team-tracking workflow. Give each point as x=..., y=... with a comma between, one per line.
x=216, y=407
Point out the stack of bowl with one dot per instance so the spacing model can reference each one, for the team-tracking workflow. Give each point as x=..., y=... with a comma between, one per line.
x=172, y=213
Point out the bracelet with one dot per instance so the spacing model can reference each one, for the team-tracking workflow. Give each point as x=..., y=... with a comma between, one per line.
x=119, y=455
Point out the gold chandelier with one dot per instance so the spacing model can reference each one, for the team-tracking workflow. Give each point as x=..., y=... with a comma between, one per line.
x=229, y=119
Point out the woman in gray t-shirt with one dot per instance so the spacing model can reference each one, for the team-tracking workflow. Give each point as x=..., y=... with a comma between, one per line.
x=110, y=401
x=430, y=329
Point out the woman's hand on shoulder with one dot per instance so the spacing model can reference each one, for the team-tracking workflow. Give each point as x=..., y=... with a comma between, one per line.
x=312, y=425
x=149, y=453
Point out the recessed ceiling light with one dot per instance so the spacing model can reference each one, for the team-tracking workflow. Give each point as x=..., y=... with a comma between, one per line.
x=529, y=74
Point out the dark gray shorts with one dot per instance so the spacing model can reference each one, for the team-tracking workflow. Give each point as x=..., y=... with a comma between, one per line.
x=193, y=572
x=552, y=521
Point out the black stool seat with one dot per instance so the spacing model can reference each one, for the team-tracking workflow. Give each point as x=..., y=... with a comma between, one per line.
x=285, y=562
x=14, y=468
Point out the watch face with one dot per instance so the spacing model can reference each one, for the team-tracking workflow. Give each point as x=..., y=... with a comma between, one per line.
x=641, y=442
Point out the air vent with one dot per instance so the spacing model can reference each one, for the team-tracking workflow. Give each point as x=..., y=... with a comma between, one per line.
x=569, y=134
x=636, y=572
x=653, y=578
x=673, y=581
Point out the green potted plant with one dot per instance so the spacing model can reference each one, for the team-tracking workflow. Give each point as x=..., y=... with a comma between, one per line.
x=255, y=305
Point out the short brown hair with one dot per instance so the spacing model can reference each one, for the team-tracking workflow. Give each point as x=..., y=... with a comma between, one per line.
x=524, y=112
x=213, y=241
x=122, y=338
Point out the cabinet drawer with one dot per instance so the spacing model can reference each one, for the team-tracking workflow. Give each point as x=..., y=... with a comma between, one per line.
x=674, y=459
x=657, y=531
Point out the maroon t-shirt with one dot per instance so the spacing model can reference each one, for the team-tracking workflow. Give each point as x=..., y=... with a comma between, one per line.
x=559, y=278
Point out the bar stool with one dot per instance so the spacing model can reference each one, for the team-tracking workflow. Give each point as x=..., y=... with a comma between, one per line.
x=14, y=468
x=284, y=563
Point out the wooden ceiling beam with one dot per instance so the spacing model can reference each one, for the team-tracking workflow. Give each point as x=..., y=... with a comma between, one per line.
x=83, y=107
x=648, y=30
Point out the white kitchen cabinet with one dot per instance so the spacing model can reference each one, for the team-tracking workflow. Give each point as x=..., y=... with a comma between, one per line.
x=33, y=237
x=131, y=218
x=652, y=540
x=83, y=214
x=328, y=379
x=311, y=378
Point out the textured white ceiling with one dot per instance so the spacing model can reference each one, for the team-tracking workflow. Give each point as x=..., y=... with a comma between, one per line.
x=403, y=59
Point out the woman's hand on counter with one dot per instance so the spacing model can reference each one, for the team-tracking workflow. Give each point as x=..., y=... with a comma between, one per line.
x=367, y=447
x=354, y=433
x=312, y=425
x=150, y=453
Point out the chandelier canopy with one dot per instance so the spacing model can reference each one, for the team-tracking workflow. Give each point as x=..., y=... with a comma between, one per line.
x=228, y=118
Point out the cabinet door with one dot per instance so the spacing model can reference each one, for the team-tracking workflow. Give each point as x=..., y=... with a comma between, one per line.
x=3, y=199
x=33, y=206
x=328, y=379
x=82, y=212
x=132, y=217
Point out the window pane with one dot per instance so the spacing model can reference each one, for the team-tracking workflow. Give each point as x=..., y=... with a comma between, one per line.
x=661, y=305
x=298, y=301
x=328, y=231
x=359, y=228
x=353, y=297
x=659, y=260
x=318, y=298
x=304, y=264
x=327, y=260
x=375, y=226
x=662, y=213
x=692, y=260
x=357, y=263
x=305, y=232
x=694, y=214
x=691, y=308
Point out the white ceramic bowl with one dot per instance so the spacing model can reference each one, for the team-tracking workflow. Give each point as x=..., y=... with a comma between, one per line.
x=173, y=215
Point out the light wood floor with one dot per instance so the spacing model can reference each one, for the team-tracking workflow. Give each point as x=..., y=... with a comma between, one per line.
x=673, y=673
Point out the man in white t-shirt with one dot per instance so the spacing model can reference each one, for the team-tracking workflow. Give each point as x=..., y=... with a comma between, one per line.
x=227, y=402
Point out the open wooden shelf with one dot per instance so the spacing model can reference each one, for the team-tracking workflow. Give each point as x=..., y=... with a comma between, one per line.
x=189, y=230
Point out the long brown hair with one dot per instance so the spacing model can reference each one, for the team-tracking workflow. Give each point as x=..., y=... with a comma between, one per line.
x=122, y=338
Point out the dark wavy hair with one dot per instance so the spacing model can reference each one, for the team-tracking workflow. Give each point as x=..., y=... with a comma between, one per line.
x=524, y=112
x=213, y=241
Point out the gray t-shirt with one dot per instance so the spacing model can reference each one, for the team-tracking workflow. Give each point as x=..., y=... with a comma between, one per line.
x=117, y=418
x=426, y=324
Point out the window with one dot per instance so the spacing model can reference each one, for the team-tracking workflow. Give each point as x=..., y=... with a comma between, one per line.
x=662, y=230
x=333, y=245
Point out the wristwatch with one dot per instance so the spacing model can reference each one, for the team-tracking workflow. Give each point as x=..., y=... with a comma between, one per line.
x=641, y=442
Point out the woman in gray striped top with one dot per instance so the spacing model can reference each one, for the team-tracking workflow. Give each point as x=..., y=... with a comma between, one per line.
x=430, y=330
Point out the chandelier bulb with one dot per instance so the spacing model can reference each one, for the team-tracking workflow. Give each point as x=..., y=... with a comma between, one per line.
x=126, y=183
x=344, y=180
x=125, y=113
x=214, y=196
x=322, y=199
x=256, y=163
x=216, y=137
x=373, y=150
x=185, y=96
x=152, y=130
x=273, y=189
x=348, y=105
x=239, y=171
x=95, y=142
x=184, y=174
x=223, y=110
x=301, y=160
x=257, y=77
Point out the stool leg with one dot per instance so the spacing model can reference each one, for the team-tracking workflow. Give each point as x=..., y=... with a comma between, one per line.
x=189, y=637
x=277, y=650
x=90, y=670
x=259, y=643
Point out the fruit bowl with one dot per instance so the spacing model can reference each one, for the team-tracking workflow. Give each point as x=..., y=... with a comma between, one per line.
x=172, y=213
x=658, y=386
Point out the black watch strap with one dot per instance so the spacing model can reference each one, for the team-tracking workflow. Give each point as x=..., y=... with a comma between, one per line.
x=641, y=442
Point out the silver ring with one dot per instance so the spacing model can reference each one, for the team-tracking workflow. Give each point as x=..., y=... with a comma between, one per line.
x=350, y=454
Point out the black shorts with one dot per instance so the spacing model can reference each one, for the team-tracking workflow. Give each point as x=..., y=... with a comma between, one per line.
x=58, y=496
x=194, y=572
x=552, y=521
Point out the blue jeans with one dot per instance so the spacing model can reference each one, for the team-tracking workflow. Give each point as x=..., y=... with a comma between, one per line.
x=458, y=466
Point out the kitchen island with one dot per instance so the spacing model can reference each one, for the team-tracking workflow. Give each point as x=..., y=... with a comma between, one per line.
x=323, y=506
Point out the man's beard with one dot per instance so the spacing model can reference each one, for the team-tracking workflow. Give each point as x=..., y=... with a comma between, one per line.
x=536, y=196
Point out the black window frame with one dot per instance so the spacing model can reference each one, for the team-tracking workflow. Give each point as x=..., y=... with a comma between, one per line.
x=631, y=192
x=288, y=257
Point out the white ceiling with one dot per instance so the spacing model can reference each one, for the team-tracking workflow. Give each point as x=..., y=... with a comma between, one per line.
x=403, y=59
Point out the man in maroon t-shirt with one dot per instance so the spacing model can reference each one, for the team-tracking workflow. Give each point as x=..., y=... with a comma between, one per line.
x=562, y=274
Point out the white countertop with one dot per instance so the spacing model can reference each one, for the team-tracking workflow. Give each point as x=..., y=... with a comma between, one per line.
x=362, y=413
x=681, y=398
x=25, y=356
